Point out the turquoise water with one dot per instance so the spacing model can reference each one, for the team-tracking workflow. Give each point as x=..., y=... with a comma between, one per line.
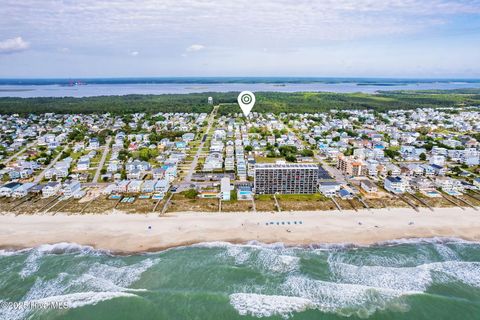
x=421, y=279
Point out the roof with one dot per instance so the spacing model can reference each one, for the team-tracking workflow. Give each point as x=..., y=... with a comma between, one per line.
x=286, y=166
x=394, y=179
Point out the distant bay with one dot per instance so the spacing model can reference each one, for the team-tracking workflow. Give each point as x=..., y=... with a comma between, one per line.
x=27, y=88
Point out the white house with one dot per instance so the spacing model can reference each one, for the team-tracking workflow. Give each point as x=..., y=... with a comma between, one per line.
x=70, y=188
x=162, y=185
x=148, y=186
x=395, y=184
x=22, y=191
x=225, y=188
x=329, y=189
x=51, y=188
x=368, y=186
x=9, y=188
x=134, y=186
x=122, y=186
x=83, y=165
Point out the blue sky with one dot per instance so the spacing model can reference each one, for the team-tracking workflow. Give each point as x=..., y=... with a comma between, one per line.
x=343, y=38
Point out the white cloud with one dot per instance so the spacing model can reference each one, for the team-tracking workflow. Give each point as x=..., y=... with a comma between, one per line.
x=108, y=21
x=134, y=53
x=195, y=47
x=13, y=45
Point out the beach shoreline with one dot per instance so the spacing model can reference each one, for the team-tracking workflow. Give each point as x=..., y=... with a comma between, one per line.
x=123, y=233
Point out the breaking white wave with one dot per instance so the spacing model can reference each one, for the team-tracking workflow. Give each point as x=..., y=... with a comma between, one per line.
x=345, y=299
x=417, y=278
x=80, y=299
x=33, y=261
x=85, y=284
x=122, y=275
x=299, y=293
x=259, y=305
x=271, y=258
x=445, y=252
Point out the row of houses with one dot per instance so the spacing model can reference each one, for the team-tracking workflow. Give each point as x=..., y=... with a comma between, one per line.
x=139, y=186
x=18, y=190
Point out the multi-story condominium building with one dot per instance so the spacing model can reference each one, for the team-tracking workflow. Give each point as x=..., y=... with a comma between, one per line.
x=286, y=178
x=351, y=166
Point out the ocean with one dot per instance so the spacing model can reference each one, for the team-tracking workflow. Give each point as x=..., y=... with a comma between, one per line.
x=410, y=279
x=27, y=88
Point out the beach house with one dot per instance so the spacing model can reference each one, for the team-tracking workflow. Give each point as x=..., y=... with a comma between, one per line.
x=395, y=184
x=7, y=189
x=70, y=188
x=51, y=189
x=23, y=190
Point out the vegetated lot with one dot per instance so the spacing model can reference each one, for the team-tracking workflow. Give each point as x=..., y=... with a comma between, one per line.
x=138, y=206
x=304, y=202
x=231, y=206
x=347, y=204
x=387, y=201
x=32, y=207
x=181, y=203
x=265, y=202
x=435, y=202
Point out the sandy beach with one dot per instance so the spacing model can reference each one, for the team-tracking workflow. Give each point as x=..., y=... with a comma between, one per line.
x=128, y=233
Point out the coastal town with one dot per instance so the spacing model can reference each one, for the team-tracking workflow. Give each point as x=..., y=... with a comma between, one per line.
x=226, y=162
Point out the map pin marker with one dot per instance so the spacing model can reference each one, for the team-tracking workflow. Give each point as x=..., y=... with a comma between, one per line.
x=246, y=100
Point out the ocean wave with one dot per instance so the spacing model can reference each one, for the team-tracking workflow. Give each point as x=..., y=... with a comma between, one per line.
x=418, y=278
x=33, y=260
x=272, y=258
x=85, y=283
x=259, y=305
x=344, y=298
x=432, y=240
x=299, y=294
x=80, y=299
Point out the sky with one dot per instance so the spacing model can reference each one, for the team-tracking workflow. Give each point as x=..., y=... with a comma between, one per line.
x=163, y=38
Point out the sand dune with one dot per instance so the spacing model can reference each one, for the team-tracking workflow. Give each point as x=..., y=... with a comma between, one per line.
x=129, y=233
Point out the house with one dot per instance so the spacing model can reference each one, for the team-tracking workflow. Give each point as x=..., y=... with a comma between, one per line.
x=83, y=164
x=162, y=185
x=438, y=170
x=476, y=182
x=112, y=167
x=134, y=186
x=37, y=189
x=421, y=184
x=345, y=194
x=395, y=184
x=23, y=190
x=148, y=186
x=328, y=188
x=51, y=188
x=394, y=170
x=70, y=188
x=158, y=173
x=137, y=164
x=368, y=186
x=7, y=189
x=135, y=174
x=448, y=184
x=122, y=186
x=225, y=189
x=170, y=171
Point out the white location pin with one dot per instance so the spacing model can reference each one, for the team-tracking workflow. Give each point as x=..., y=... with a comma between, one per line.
x=246, y=100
